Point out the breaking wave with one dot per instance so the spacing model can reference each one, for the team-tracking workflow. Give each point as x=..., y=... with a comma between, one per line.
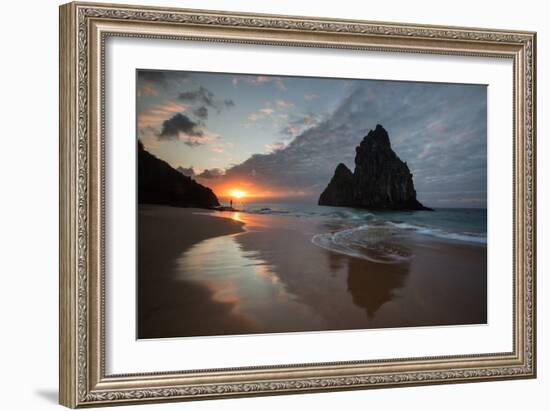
x=435, y=232
x=373, y=243
x=383, y=242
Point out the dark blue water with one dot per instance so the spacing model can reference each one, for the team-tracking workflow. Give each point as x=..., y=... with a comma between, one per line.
x=452, y=224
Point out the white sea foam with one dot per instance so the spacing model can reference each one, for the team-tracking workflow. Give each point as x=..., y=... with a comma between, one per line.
x=382, y=241
x=374, y=243
x=435, y=232
x=379, y=236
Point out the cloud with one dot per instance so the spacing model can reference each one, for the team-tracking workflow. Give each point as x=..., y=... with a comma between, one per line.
x=197, y=140
x=261, y=114
x=217, y=148
x=152, y=76
x=280, y=85
x=206, y=174
x=275, y=146
x=298, y=125
x=156, y=114
x=201, y=112
x=311, y=119
x=311, y=97
x=205, y=97
x=161, y=78
x=291, y=130
x=283, y=104
x=183, y=128
x=438, y=129
x=253, y=117
x=166, y=122
x=267, y=111
x=147, y=90
x=187, y=171
x=260, y=80
x=202, y=95
x=148, y=137
x=212, y=173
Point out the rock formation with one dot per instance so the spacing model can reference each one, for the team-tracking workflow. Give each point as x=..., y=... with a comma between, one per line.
x=159, y=183
x=381, y=181
x=339, y=192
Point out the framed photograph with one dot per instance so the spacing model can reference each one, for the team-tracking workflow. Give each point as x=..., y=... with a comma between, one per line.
x=259, y=204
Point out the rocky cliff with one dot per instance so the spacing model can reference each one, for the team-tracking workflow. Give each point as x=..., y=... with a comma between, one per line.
x=159, y=183
x=339, y=192
x=381, y=181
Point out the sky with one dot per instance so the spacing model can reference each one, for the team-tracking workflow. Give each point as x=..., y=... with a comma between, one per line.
x=280, y=138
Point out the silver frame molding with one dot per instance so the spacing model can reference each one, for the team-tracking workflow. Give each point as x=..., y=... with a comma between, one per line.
x=84, y=28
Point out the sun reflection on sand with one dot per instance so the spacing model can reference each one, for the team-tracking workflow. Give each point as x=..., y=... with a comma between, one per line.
x=269, y=276
x=243, y=279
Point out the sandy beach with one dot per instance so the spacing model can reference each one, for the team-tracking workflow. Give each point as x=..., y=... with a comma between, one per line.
x=168, y=307
x=212, y=273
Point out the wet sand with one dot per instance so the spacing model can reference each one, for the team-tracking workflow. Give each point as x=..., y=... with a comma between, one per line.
x=200, y=274
x=169, y=307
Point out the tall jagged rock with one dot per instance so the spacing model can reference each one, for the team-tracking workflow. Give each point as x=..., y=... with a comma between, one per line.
x=381, y=181
x=159, y=183
x=339, y=191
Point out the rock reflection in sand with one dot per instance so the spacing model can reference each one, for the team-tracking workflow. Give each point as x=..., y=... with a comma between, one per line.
x=276, y=280
x=273, y=278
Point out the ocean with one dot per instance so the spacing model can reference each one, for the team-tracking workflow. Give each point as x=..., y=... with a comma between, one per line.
x=296, y=267
x=376, y=234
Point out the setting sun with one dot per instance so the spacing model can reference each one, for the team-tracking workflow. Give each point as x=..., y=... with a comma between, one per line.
x=237, y=193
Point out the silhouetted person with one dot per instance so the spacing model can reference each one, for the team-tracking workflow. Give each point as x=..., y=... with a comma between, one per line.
x=230, y=203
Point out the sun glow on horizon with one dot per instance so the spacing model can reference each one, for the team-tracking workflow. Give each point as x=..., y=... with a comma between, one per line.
x=237, y=193
x=246, y=191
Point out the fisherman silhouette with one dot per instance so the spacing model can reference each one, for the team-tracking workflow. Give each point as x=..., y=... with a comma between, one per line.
x=231, y=203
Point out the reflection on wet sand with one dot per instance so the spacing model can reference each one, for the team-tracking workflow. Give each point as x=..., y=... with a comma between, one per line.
x=369, y=289
x=271, y=278
x=244, y=279
x=167, y=306
x=279, y=281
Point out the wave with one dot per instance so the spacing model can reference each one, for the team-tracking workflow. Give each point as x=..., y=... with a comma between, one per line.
x=371, y=243
x=446, y=235
x=338, y=214
x=385, y=236
x=383, y=241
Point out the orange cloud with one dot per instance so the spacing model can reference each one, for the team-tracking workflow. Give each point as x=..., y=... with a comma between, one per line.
x=197, y=140
x=262, y=113
x=275, y=147
x=148, y=90
x=227, y=188
x=157, y=114
x=217, y=148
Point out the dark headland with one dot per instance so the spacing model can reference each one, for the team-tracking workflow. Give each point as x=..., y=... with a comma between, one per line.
x=381, y=180
x=159, y=183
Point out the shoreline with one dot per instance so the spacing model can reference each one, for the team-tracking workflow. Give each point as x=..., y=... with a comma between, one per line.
x=198, y=278
x=164, y=233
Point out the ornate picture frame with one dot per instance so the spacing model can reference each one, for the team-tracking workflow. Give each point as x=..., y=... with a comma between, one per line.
x=84, y=29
